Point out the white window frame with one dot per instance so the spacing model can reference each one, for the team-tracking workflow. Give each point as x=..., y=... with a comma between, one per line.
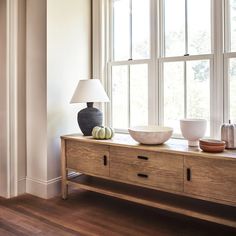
x=185, y=58
x=227, y=55
x=219, y=101
x=151, y=63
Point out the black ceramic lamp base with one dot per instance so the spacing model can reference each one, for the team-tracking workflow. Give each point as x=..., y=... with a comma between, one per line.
x=88, y=118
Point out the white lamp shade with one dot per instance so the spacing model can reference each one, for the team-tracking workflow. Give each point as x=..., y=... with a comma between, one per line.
x=90, y=90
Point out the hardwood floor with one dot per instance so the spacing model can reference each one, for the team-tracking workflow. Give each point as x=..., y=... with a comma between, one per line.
x=87, y=213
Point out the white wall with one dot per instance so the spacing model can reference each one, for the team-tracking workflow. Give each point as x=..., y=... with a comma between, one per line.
x=68, y=60
x=58, y=55
x=36, y=91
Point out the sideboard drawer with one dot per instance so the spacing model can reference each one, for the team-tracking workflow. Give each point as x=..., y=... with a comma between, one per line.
x=159, y=178
x=133, y=156
x=164, y=171
x=87, y=158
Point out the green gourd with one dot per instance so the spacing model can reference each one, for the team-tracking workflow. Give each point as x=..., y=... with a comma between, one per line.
x=102, y=132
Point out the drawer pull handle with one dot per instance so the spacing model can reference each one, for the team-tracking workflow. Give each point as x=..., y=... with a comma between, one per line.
x=104, y=160
x=142, y=175
x=142, y=157
x=188, y=174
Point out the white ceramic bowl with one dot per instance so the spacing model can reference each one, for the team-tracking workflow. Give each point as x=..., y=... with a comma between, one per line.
x=193, y=130
x=150, y=134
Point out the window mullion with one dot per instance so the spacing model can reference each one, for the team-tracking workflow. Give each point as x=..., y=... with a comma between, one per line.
x=161, y=93
x=186, y=27
x=130, y=62
x=226, y=90
x=187, y=58
x=129, y=96
x=230, y=55
x=159, y=64
x=109, y=120
x=217, y=95
x=227, y=23
x=152, y=66
x=131, y=29
x=161, y=32
x=185, y=89
x=111, y=28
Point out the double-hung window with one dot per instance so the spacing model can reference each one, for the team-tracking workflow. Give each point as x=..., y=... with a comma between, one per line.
x=186, y=61
x=130, y=62
x=162, y=62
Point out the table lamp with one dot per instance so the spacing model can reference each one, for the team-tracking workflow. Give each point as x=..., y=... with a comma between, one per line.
x=89, y=91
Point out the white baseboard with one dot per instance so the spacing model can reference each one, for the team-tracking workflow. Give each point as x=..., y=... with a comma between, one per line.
x=44, y=189
x=21, y=188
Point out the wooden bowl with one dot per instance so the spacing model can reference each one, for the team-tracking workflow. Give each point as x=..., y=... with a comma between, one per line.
x=212, y=148
x=211, y=142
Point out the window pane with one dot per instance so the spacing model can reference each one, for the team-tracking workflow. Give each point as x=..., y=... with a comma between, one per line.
x=138, y=95
x=232, y=25
x=173, y=94
x=120, y=97
x=121, y=30
x=174, y=27
x=198, y=90
x=141, y=29
x=232, y=88
x=199, y=27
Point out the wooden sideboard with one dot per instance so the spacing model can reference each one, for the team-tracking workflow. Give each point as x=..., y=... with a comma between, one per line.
x=171, y=176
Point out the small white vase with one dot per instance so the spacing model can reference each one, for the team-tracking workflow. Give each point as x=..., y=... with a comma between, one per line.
x=193, y=130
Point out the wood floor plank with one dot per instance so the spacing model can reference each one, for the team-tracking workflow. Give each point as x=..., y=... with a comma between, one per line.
x=4, y=231
x=86, y=213
x=15, y=221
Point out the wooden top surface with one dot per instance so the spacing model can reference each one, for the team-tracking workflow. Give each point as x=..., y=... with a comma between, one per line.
x=177, y=146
